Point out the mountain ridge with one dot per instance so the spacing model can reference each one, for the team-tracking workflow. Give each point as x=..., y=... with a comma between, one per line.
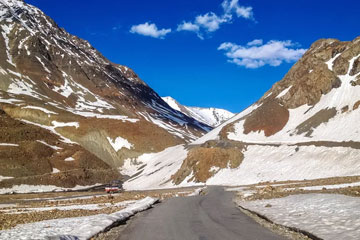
x=304, y=127
x=55, y=81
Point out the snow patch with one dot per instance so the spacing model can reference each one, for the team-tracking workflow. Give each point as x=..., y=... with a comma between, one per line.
x=51, y=146
x=43, y=64
x=40, y=108
x=4, y=178
x=68, y=124
x=283, y=92
x=119, y=143
x=24, y=188
x=9, y=144
x=331, y=61
x=69, y=159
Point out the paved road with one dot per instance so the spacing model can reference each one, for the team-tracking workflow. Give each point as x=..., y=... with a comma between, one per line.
x=209, y=217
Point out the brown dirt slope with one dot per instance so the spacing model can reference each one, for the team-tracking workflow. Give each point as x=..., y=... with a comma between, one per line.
x=32, y=161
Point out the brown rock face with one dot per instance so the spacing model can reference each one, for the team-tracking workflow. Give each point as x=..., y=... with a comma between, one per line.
x=356, y=67
x=204, y=161
x=356, y=105
x=271, y=117
x=310, y=77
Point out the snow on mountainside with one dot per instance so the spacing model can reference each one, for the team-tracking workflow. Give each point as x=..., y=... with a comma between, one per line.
x=61, y=99
x=304, y=127
x=210, y=116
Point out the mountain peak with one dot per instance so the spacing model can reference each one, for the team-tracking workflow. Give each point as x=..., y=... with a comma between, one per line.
x=210, y=116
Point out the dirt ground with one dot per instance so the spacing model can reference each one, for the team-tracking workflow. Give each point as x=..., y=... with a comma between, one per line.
x=282, y=189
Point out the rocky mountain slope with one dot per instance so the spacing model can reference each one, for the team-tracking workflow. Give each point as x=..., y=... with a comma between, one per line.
x=304, y=127
x=67, y=101
x=210, y=116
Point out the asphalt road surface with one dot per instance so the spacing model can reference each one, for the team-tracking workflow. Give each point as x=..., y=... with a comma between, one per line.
x=213, y=216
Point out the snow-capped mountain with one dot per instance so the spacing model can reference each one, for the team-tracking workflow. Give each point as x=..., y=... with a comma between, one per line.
x=304, y=127
x=210, y=116
x=71, y=103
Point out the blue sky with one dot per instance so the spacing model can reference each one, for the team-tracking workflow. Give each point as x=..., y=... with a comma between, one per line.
x=217, y=63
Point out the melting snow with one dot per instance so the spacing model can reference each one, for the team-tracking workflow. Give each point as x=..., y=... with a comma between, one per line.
x=328, y=216
x=331, y=61
x=22, y=87
x=67, y=208
x=9, y=144
x=4, y=178
x=46, y=144
x=159, y=167
x=10, y=101
x=52, y=129
x=40, y=108
x=283, y=92
x=100, y=116
x=2, y=71
x=24, y=188
x=62, y=124
x=43, y=64
x=69, y=159
x=130, y=167
x=6, y=30
x=75, y=228
x=119, y=143
x=334, y=186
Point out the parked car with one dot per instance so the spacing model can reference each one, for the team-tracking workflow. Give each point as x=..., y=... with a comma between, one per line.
x=114, y=187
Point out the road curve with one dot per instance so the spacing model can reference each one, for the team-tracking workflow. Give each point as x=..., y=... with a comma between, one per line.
x=213, y=216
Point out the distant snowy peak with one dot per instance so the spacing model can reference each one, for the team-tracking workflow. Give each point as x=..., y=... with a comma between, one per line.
x=210, y=116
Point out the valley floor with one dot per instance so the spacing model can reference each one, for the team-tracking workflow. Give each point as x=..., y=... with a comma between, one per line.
x=326, y=208
x=61, y=213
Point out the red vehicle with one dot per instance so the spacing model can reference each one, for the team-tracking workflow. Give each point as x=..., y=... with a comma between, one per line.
x=114, y=187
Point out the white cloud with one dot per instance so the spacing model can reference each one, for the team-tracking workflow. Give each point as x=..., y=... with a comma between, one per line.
x=255, y=54
x=151, y=30
x=241, y=11
x=188, y=26
x=255, y=42
x=210, y=22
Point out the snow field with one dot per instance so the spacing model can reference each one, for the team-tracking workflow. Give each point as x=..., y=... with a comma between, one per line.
x=24, y=188
x=328, y=216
